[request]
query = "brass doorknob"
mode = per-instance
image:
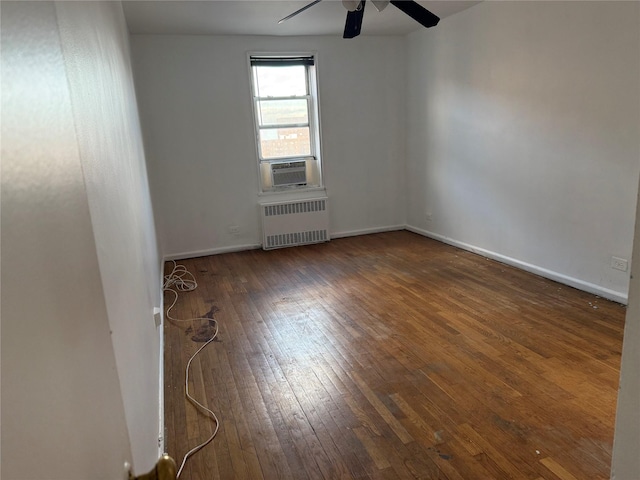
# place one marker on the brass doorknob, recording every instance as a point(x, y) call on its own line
point(165, 469)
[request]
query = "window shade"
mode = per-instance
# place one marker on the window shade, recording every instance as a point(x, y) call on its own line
point(280, 61)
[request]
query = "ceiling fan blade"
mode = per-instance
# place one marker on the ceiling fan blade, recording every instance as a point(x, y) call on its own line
point(299, 11)
point(354, 22)
point(417, 12)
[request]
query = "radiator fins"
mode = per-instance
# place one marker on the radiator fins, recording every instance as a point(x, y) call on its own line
point(294, 223)
point(297, 207)
point(300, 238)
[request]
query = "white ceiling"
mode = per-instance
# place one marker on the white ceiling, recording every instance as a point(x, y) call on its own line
point(260, 17)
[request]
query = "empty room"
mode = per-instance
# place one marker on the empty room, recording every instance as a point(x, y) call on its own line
point(320, 239)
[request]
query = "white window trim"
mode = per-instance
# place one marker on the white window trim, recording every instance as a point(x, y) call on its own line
point(310, 124)
point(314, 126)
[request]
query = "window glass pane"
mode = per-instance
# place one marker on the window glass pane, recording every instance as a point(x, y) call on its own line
point(285, 142)
point(282, 112)
point(280, 81)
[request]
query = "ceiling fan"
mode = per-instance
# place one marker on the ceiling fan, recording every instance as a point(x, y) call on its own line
point(355, 13)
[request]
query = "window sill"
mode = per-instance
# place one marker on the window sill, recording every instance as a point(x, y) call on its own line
point(294, 194)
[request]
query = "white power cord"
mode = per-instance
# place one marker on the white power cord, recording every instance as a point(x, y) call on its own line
point(180, 279)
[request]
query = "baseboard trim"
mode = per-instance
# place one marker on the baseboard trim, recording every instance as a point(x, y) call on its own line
point(212, 251)
point(254, 246)
point(543, 272)
point(161, 432)
point(367, 231)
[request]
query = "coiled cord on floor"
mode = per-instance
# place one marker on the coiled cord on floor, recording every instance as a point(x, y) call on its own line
point(181, 280)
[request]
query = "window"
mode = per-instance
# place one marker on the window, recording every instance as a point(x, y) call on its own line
point(286, 118)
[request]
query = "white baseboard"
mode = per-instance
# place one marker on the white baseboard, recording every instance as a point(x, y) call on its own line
point(367, 231)
point(161, 439)
point(254, 246)
point(543, 272)
point(212, 251)
point(161, 432)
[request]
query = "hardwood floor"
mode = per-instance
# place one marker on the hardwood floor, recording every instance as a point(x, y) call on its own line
point(391, 356)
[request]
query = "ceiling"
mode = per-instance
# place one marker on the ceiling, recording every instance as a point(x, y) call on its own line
point(260, 17)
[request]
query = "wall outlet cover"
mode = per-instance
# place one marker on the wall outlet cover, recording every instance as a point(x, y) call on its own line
point(618, 263)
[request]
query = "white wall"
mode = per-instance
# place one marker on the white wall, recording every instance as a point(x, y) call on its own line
point(625, 464)
point(197, 122)
point(523, 135)
point(79, 264)
point(95, 42)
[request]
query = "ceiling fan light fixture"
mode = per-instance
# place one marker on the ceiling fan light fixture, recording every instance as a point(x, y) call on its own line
point(380, 5)
point(351, 5)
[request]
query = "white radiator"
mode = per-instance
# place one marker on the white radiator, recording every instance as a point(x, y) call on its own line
point(299, 222)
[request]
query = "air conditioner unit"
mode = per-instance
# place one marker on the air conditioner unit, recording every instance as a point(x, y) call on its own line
point(288, 173)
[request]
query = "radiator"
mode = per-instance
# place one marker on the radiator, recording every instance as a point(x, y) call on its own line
point(286, 224)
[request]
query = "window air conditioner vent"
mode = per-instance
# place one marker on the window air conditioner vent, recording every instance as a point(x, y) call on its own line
point(289, 173)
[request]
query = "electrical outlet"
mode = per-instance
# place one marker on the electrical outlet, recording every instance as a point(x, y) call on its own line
point(619, 264)
point(157, 317)
point(429, 217)
point(234, 229)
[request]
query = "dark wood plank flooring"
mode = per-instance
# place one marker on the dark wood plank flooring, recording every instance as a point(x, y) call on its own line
point(391, 356)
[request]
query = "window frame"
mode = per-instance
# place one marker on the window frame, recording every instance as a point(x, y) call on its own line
point(313, 120)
